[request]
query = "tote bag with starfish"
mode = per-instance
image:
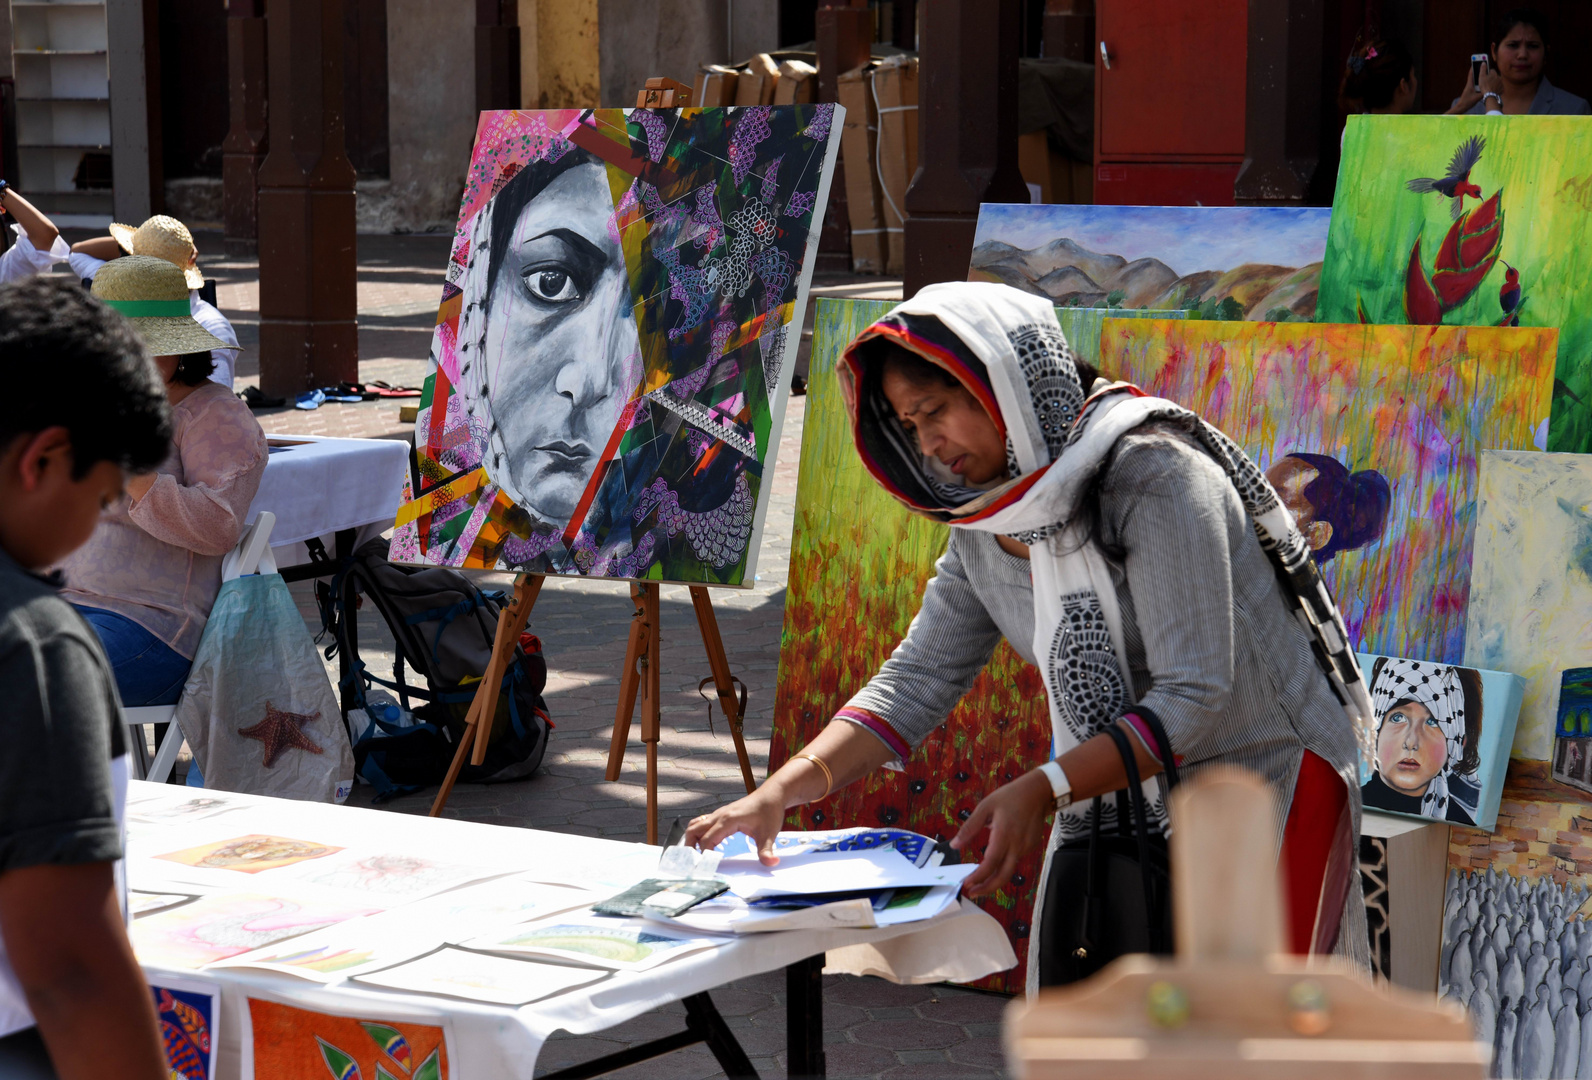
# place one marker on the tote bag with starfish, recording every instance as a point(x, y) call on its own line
point(258, 710)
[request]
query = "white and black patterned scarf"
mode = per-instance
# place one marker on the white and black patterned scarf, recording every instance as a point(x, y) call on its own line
point(1436, 688)
point(1007, 349)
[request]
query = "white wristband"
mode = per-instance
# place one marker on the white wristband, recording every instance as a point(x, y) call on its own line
point(1060, 786)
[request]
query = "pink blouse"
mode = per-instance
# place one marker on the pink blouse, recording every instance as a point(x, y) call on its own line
point(157, 561)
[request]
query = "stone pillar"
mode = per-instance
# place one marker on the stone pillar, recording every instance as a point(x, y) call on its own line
point(497, 55)
point(1069, 30)
point(137, 170)
point(308, 334)
point(244, 147)
point(845, 41)
point(967, 133)
point(1282, 123)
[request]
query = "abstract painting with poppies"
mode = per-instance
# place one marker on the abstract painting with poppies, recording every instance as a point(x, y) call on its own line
point(1470, 221)
point(613, 349)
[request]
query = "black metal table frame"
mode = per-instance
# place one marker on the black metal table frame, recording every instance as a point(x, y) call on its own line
point(804, 994)
point(804, 1033)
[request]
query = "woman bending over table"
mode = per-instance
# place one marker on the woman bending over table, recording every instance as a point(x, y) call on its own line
point(147, 578)
point(1130, 551)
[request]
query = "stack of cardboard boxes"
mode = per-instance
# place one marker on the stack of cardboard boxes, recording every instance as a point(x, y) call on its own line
point(760, 81)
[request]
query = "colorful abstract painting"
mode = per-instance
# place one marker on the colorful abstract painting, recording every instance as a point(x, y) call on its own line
point(1531, 581)
point(217, 927)
point(1370, 434)
point(291, 1042)
point(614, 346)
point(1469, 221)
point(1219, 262)
point(1443, 734)
point(187, 1011)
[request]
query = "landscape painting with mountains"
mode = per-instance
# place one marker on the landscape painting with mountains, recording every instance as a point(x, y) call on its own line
point(1258, 263)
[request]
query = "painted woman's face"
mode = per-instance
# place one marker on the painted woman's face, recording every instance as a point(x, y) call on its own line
point(1410, 748)
point(560, 347)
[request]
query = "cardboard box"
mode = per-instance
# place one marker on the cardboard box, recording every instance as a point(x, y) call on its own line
point(859, 137)
point(895, 85)
point(715, 86)
point(798, 83)
point(757, 82)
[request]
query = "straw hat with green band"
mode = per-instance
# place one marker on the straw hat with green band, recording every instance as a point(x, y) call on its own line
point(154, 294)
point(164, 238)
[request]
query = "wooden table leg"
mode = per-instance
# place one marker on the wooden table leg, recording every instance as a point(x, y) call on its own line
point(723, 682)
point(629, 685)
point(651, 705)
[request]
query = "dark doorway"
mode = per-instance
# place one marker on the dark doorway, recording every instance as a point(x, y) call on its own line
point(365, 87)
point(193, 86)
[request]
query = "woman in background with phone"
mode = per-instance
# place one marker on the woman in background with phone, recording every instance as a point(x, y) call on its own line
point(1513, 84)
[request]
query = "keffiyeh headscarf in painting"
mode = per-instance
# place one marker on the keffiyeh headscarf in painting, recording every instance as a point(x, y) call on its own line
point(1436, 687)
point(1006, 348)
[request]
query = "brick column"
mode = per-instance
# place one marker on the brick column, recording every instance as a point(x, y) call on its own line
point(244, 147)
point(308, 333)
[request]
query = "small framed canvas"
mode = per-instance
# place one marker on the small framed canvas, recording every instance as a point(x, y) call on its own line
point(1443, 734)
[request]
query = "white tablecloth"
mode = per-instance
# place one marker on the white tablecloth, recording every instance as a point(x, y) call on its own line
point(489, 1042)
point(317, 486)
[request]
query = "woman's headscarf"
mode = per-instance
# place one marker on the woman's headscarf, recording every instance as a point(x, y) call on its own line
point(1006, 348)
point(1436, 687)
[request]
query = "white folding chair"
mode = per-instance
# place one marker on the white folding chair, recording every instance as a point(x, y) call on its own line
point(252, 554)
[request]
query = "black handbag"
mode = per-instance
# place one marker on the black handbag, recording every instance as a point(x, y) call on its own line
point(1110, 895)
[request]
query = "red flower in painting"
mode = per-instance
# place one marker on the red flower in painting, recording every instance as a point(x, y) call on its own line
point(1421, 306)
point(1468, 252)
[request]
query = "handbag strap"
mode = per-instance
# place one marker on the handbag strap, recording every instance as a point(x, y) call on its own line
point(1163, 745)
point(1141, 826)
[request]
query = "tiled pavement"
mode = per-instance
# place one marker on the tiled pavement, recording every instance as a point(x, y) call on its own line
point(872, 1028)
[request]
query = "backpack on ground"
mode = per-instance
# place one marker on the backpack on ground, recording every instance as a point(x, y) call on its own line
point(443, 626)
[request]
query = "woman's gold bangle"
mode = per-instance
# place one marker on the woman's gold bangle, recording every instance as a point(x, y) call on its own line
point(829, 777)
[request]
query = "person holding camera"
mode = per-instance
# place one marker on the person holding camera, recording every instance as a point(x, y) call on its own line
point(1512, 82)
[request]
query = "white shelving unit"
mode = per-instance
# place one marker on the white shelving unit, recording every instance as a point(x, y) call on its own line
point(63, 106)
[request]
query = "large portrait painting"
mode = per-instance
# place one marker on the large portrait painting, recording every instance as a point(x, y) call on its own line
point(614, 346)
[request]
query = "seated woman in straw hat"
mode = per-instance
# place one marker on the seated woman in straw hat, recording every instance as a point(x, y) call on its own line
point(38, 244)
point(164, 238)
point(147, 578)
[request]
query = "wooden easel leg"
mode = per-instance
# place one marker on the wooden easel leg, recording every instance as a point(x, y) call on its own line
point(484, 705)
point(719, 665)
point(651, 706)
point(629, 685)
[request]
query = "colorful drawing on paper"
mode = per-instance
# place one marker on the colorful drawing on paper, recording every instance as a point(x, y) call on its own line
point(1218, 262)
point(215, 927)
point(1531, 582)
point(1467, 222)
point(195, 809)
point(1443, 738)
point(1403, 410)
point(292, 1042)
point(395, 874)
point(141, 903)
point(859, 564)
point(187, 1010)
point(613, 349)
point(478, 976)
point(606, 942)
point(250, 854)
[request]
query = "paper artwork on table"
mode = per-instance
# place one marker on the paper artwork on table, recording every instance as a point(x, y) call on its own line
point(858, 566)
point(250, 854)
point(1466, 221)
point(620, 944)
point(393, 874)
point(195, 809)
point(1531, 590)
point(349, 948)
point(215, 927)
point(1443, 734)
point(141, 902)
point(479, 976)
point(1370, 434)
point(613, 351)
point(1217, 262)
point(289, 1042)
point(187, 1011)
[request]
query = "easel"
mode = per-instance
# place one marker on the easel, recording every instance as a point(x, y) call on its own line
point(643, 654)
point(1229, 1007)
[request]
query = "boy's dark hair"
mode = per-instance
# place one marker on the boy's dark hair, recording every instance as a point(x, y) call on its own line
point(1516, 16)
point(1354, 504)
point(72, 362)
point(194, 368)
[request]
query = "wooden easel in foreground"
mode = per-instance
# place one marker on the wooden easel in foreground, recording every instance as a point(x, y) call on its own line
point(640, 678)
point(1229, 1007)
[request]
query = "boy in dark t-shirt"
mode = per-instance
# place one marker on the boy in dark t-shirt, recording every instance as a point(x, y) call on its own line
point(84, 406)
